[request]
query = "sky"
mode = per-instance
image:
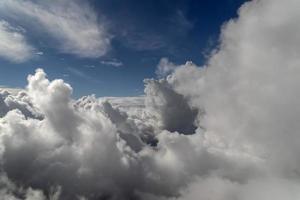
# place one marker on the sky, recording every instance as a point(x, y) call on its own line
point(123, 45)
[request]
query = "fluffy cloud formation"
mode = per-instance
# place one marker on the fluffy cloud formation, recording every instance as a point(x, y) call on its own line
point(85, 148)
point(249, 88)
point(249, 91)
point(75, 26)
point(228, 130)
point(13, 44)
point(170, 109)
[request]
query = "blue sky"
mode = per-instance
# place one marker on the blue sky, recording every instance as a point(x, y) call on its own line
point(125, 42)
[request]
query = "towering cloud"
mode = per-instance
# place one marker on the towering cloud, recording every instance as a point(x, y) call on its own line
point(227, 130)
point(249, 91)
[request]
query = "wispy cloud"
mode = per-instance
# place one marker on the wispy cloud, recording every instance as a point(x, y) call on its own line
point(75, 26)
point(81, 74)
point(13, 44)
point(89, 66)
point(40, 53)
point(143, 40)
point(154, 36)
point(114, 63)
point(78, 73)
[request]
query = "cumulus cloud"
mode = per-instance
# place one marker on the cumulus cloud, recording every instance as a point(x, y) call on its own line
point(75, 26)
point(13, 44)
point(249, 88)
point(249, 91)
point(170, 109)
point(227, 130)
point(20, 101)
point(90, 149)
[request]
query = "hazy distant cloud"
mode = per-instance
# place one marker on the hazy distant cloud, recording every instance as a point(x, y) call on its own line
point(143, 40)
point(114, 63)
point(181, 22)
point(13, 44)
point(74, 24)
point(40, 53)
point(12, 90)
point(80, 73)
point(89, 66)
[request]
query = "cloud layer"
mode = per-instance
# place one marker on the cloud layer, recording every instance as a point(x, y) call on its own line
point(228, 130)
point(74, 26)
point(13, 44)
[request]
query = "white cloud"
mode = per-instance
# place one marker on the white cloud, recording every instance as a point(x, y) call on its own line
point(249, 91)
point(114, 63)
point(40, 53)
point(90, 148)
point(13, 44)
point(165, 67)
point(12, 90)
point(17, 99)
point(74, 24)
point(169, 108)
point(245, 145)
